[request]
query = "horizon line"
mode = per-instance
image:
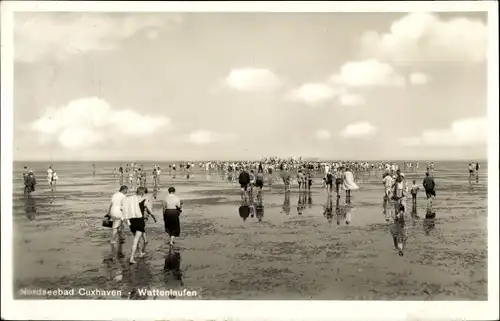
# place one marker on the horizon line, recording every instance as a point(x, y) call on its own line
point(243, 159)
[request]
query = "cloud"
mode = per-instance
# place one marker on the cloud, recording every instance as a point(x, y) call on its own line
point(425, 37)
point(88, 121)
point(367, 73)
point(313, 93)
point(323, 134)
point(78, 137)
point(206, 137)
point(252, 80)
point(39, 36)
point(357, 130)
point(463, 132)
point(348, 99)
point(418, 78)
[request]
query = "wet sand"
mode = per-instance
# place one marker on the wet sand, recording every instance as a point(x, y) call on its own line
point(59, 242)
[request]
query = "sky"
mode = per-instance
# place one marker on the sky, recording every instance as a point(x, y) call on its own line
point(198, 86)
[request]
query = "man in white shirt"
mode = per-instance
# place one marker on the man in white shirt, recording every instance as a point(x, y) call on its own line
point(115, 211)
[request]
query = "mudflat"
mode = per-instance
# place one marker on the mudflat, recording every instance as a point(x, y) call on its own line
point(59, 241)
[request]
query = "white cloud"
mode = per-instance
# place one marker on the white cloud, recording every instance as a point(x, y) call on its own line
point(313, 93)
point(361, 129)
point(323, 134)
point(87, 121)
point(252, 80)
point(425, 37)
point(367, 73)
point(348, 99)
point(464, 132)
point(205, 137)
point(418, 78)
point(39, 35)
point(77, 137)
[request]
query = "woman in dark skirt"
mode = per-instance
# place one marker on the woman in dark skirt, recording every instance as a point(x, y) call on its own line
point(172, 208)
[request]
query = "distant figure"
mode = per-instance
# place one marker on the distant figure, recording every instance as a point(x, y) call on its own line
point(328, 181)
point(339, 180)
point(429, 186)
point(349, 184)
point(49, 175)
point(55, 178)
point(400, 191)
point(300, 179)
point(388, 182)
point(244, 180)
point(414, 190)
point(309, 180)
point(29, 183)
point(285, 176)
point(259, 181)
point(471, 171)
point(25, 172)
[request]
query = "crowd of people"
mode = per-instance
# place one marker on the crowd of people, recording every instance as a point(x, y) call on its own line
point(133, 211)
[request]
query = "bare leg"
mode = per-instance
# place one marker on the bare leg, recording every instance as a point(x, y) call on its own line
point(135, 243)
point(144, 243)
point(114, 233)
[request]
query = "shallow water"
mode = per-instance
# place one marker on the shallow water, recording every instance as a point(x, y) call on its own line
point(59, 241)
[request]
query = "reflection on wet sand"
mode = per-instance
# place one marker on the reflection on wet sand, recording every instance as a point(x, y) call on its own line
point(399, 232)
point(328, 208)
point(244, 210)
point(430, 260)
point(251, 205)
point(30, 207)
point(429, 222)
point(172, 267)
point(309, 199)
point(286, 204)
point(259, 208)
point(139, 277)
point(342, 212)
point(301, 203)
